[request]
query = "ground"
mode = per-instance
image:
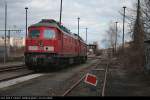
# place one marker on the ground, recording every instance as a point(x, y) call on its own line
point(121, 81)
point(50, 84)
point(125, 82)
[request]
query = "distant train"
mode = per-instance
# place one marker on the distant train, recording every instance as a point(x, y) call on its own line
point(49, 43)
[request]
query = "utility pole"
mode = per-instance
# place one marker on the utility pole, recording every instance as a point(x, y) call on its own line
point(137, 25)
point(5, 51)
point(26, 8)
point(86, 34)
point(78, 35)
point(60, 12)
point(138, 13)
point(123, 29)
point(116, 38)
point(78, 25)
point(60, 24)
point(8, 43)
point(138, 29)
point(86, 41)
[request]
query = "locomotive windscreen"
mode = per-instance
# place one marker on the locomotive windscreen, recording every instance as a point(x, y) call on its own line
point(49, 34)
point(34, 33)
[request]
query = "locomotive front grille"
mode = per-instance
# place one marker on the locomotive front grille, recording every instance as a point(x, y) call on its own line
point(40, 59)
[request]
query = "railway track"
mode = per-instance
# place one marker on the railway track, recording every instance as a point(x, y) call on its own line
point(7, 68)
point(105, 80)
point(78, 75)
point(14, 68)
point(18, 76)
point(94, 58)
point(70, 89)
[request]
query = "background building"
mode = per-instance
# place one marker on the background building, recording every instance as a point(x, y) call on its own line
point(14, 45)
point(13, 42)
point(92, 48)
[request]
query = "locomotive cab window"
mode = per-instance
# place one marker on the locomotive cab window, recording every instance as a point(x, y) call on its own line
point(34, 33)
point(49, 34)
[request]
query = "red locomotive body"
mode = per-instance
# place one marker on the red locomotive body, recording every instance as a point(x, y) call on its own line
point(49, 43)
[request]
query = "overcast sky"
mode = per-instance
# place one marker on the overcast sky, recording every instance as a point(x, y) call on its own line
point(94, 14)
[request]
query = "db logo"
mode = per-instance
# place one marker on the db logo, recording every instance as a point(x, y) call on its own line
point(90, 79)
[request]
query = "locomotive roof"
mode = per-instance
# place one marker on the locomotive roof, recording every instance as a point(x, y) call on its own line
point(53, 23)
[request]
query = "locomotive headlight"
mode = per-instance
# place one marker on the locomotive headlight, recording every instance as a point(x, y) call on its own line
point(32, 48)
point(48, 48)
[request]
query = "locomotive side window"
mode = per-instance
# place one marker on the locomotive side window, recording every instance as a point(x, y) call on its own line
point(34, 33)
point(49, 34)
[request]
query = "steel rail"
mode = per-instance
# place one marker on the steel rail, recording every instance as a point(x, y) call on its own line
point(78, 82)
point(7, 79)
point(105, 80)
point(72, 87)
point(12, 68)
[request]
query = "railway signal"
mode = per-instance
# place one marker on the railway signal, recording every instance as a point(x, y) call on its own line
point(91, 79)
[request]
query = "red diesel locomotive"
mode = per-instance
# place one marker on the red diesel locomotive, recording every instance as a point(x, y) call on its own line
point(49, 43)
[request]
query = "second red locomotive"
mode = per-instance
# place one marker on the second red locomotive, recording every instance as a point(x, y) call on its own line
point(49, 43)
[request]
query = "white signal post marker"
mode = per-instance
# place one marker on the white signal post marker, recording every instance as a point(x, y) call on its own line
point(91, 79)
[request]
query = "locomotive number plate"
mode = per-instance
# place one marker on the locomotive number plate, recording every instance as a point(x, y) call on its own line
point(41, 48)
point(33, 48)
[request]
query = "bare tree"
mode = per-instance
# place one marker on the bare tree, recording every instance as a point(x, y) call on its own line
point(111, 36)
point(136, 21)
point(130, 20)
point(146, 17)
point(138, 34)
